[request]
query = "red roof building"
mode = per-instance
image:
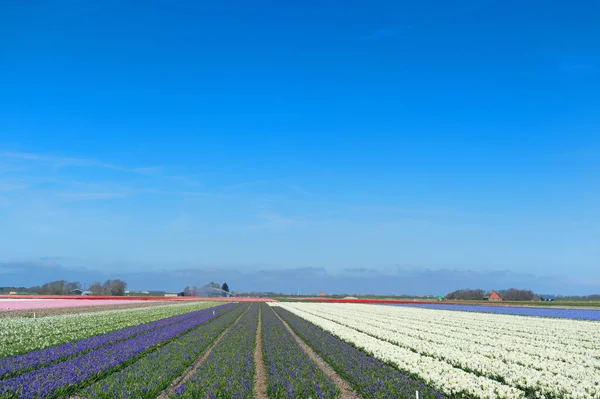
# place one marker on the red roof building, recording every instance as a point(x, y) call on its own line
point(494, 296)
point(321, 294)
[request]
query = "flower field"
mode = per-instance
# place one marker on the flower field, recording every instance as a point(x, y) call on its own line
point(297, 351)
point(21, 335)
point(471, 354)
point(29, 304)
point(577, 314)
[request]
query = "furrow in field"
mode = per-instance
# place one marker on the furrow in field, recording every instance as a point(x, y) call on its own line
point(439, 374)
point(151, 374)
point(291, 365)
point(189, 372)
point(229, 370)
point(543, 332)
point(19, 364)
point(557, 352)
point(22, 335)
point(368, 376)
point(553, 379)
point(511, 350)
point(260, 377)
point(61, 379)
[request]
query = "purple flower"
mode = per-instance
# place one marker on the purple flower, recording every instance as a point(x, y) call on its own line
point(66, 376)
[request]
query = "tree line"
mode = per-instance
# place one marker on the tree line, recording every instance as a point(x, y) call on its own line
point(511, 294)
point(64, 287)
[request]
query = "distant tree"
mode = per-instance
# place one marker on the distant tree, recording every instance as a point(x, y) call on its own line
point(106, 287)
point(96, 288)
point(187, 291)
point(225, 288)
point(70, 286)
point(513, 294)
point(195, 291)
point(36, 289)
point(466, 295)
point(116, 287)
point(54, 288)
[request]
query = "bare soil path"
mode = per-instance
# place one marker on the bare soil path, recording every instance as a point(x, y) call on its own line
point(182, 379)
point(260, 378)
point(343, 385)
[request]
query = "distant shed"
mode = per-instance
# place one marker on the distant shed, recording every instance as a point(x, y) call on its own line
point(494, 296)
point(547, 298)
point(79, 292)
point(321, 294)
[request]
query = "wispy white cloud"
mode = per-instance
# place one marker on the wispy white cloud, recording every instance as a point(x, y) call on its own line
point(237, 186)
point(269, 220)
point(91, 196)
point(60, 162)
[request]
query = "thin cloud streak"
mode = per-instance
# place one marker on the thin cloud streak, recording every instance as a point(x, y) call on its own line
point(69, 162)
point(61, 162)
point(91, 196)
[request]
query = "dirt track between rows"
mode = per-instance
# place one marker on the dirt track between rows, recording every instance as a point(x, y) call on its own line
point(346, 390)
point(189, 372)
point(260, 378)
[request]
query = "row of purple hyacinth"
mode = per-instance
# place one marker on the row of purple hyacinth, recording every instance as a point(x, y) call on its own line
point(15, 365)
point(61, 379)
point(150, 375)
point(370, 377)
point(228, 372)
point(291, 374)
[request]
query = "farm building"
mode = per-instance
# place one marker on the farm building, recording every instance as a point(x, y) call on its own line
point(547, 298)
point(136, 293)
point(494, 296)
point(321, 294)
point(172, 294)
point(79, 292)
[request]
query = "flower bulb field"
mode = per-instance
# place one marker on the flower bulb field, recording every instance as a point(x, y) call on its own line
point(297, 350)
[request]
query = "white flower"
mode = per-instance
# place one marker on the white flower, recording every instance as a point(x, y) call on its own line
point(485, 355)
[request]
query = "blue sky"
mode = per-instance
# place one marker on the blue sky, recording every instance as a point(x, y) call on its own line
point(302, 145)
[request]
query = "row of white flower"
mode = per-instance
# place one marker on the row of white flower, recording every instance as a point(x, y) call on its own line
point(21, 335)
point(553, 377)
point(573, 352)
point(564, 364)
point(531, 328)
point(580, 337)
point(440, 375)
point(571, 358)
point(535, 345)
